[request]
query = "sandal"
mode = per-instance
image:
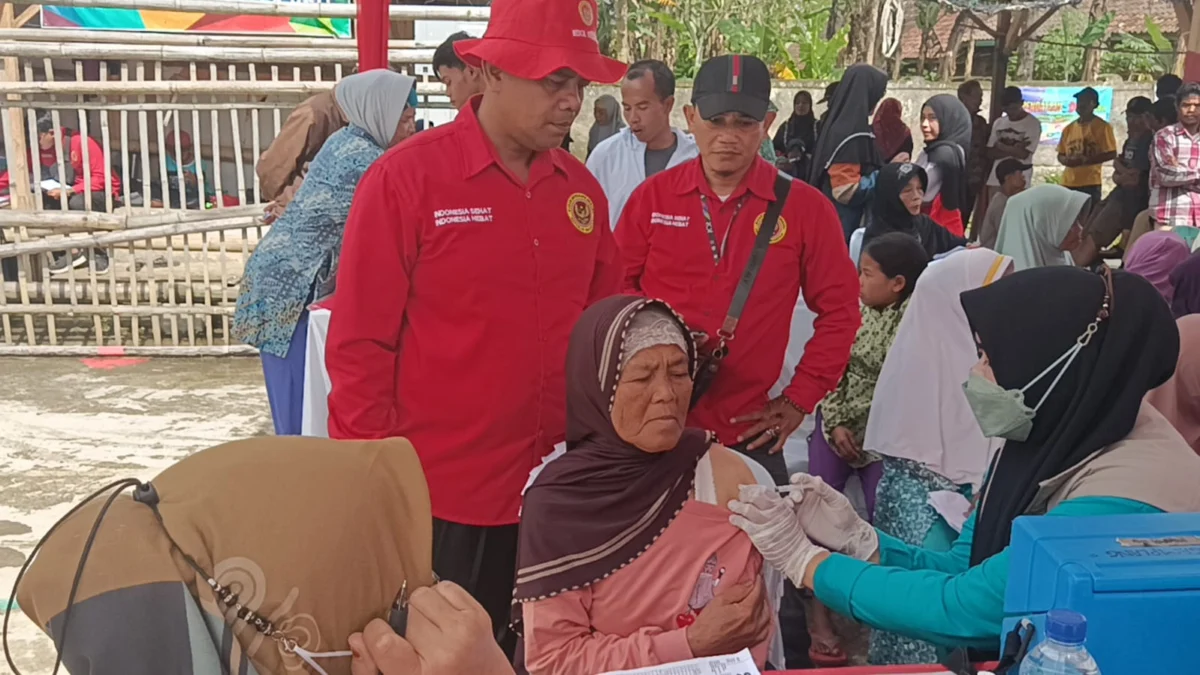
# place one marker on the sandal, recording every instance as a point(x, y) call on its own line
point(832, 659)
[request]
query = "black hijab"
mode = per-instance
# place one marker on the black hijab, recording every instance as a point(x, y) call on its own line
point(603, 503)
point(800, 127)
point(888, 213)
point(949, 150)
point(1027, 321)
point(849, 113)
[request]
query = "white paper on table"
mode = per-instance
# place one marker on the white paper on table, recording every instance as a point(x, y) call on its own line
point(734, 664)
point(952, 506)
point(51, 184)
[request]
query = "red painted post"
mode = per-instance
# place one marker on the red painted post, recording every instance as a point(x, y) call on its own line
point(372, 33)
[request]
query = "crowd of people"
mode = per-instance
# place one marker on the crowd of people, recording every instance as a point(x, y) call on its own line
point(557, 388)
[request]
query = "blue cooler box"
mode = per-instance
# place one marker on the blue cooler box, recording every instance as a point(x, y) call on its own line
point(1135, 578)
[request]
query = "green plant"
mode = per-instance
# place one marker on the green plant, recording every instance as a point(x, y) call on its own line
point(1060, 56)
point(1140, 58)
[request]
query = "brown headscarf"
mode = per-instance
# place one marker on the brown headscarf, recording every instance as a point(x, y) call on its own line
point(603, 503)
point(316, 536)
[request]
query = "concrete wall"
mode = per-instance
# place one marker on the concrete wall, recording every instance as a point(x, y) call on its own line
point(911, 94)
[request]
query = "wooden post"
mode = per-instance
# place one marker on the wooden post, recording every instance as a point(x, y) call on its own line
point(372, 29)
point(15, 147)
point(969, 69)
point(1000, 63)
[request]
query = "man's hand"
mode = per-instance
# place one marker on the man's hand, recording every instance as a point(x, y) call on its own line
point(448, 634)
point(774, 423)
point(737, 618)
point(844, 444)
point(54, 194)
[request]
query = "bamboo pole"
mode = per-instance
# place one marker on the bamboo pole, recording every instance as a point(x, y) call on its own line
point(84, 352)
point(185, 87)
point(111, 238)
point(127, 221)
point(56, 291)
point(113, 310)
point(114, 51)
point(14, 132)
point(193, 39)
point(308, 10)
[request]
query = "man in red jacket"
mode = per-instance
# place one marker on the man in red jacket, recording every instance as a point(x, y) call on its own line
point(82, 186)
point(686, 235)
point(470, 251)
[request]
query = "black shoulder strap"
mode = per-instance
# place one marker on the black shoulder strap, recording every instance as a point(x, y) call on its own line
point(783, 185)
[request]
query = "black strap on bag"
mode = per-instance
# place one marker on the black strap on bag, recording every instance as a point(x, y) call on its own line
point(711, 362)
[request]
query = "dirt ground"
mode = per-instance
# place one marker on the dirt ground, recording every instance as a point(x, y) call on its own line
point(70, 426)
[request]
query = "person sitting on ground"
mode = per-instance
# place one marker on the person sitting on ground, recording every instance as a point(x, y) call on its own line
point(184, 169)
point(1042, 225)
point(1066, 358)
point(81, 188)
point(846, 157)
point(1011, 175)
point(462, 81)
point(673, 580)
point(892, 135)
point(896, 207)
point(1086, 144)
point(297, 261)
point(946, 126)
point(1131, 196)
point(888, 270)
point(1154, 257)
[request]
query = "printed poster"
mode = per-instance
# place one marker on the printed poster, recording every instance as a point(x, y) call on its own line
point(1055, 108)
point(174, 22)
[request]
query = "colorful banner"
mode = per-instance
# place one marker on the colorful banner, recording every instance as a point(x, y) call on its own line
point(173, 22)
point(1055, 108)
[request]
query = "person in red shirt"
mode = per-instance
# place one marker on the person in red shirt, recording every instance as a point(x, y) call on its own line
point(470, 251)
point(686, 235)
point(82, 186)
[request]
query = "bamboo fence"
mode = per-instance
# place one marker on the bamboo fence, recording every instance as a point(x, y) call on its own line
point(174, 273)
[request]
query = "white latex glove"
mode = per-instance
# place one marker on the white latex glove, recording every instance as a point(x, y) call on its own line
point(771, 522)
point(830, 520)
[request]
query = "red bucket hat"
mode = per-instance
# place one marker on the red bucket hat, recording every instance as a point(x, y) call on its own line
point(533, 38)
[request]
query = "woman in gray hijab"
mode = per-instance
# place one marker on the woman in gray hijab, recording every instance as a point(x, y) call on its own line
point(946, 126)
point(296, 262)
point(608, 121)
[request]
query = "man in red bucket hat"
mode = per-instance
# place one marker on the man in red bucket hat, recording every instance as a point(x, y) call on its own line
point(469, 253)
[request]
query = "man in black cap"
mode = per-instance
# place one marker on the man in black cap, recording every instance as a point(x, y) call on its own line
point(1011, 174)
point(686, 235)
point(1086, 144)
point(830, 90)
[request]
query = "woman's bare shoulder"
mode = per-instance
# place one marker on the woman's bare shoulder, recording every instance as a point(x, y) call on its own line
point(730, 471)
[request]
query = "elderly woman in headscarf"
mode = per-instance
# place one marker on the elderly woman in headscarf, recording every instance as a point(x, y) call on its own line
point(1041, 225)
point(946, 127)
point(1154, 256)
point(896, 207)
point(892, 135)
point(296, 262)
point(1185, 279)
point(846, 157)
point(626, 556)
point(608, 121)
point(1179, 399)
point(1066, 357)
point(256, 556)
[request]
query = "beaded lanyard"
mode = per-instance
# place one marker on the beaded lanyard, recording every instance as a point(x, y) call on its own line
point(712, 235)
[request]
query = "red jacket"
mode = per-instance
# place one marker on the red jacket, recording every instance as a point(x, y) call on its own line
point(668, 255)
point(457, 290)
point(74, 155)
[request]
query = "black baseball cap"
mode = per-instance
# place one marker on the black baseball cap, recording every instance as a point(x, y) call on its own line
point(830, 90)
point(1009, 166)
point(732, 84)
point(1012, 95)
point(1089, 93)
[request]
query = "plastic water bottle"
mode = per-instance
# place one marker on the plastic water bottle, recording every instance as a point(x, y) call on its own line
point(1062, 652)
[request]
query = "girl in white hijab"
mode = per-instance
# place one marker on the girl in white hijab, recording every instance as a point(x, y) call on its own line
point(1042, 225)
point(920, 421)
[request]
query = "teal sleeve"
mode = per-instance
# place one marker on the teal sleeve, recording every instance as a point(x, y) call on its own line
point(951, 609)
point(895, 553)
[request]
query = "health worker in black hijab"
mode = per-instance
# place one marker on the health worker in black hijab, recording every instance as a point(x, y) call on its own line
point(896, 207)
point(1066, 357)
point(845, 156)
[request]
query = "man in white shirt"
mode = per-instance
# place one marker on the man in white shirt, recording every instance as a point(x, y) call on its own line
point(649, 144)
point(1014, 136)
